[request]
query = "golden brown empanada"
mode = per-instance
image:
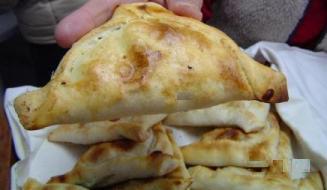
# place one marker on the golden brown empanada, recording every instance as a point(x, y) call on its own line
point(110, 163)
point(312, 182)
point(277, 176)
point(248, 115)
point(179, 179)
point(233, 178)
point(233, 147)
point(146, 60)
point(32, 184)
point(156, 184)
point(134, 128)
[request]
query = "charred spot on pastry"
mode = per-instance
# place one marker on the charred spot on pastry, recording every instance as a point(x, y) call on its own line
point(114, 120)
point(257, 153)
point(28, 108)
point(155, 154)
point(229, 134)
point(124, 144)
point(189, 67)
point(268, 95)
point(59, 179)
point(63, 83)
point(100, 38)
point(177, 182)
point(117, 28)
point(96, 153)
point(81, 126)
point(267, 63)
point(256, 169)
point(142, 7)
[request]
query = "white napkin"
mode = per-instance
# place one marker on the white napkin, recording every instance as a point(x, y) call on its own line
point(304, 113)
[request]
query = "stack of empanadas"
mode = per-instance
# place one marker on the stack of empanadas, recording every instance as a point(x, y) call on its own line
point(230, 158)
point(114, 89)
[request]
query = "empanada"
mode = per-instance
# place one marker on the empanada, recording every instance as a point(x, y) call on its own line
point(312, 182)
point(32, 184)
point(233, 178)
point(233, 147)
point(146, 60)
point(179, 179)
point(156, 184)
point(277, 176)
point(110, 163)
point(248, 115)
point(134, 128)
point(281, 166)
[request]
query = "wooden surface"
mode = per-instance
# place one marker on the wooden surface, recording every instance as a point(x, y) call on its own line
point(5, 150)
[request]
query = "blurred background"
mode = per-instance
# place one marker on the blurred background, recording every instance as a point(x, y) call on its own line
point(16, 62)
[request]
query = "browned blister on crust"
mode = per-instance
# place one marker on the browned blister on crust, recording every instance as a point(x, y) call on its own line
point(147, 61)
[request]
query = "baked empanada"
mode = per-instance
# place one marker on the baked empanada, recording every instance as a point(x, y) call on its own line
point(233, 147)
point(277, 176)
point(110, 163)
point(233, 178)
point(32, 184)
point(133, 128)
point(146, 60)
point(179, 179)
point(156, 184)
point(312, 182)
point(248, 115)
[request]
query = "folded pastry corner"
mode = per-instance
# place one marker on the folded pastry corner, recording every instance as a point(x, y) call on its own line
point(114, 162)
point(146, 60)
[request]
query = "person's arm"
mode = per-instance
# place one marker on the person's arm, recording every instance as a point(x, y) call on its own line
point(96, 12)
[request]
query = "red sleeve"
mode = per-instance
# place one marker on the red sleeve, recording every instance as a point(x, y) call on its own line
point(206, 9)
point(312, 27)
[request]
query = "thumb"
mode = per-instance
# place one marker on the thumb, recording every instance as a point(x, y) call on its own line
point(92, 14)
point(190, 8)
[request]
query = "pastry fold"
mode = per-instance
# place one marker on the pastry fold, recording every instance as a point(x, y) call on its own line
point(250, 116)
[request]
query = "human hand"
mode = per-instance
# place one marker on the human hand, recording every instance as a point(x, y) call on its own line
point(95, 12)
